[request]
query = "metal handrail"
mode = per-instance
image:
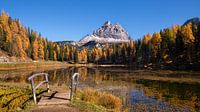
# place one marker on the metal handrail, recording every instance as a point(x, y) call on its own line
point(74, 83)
point(34, 87)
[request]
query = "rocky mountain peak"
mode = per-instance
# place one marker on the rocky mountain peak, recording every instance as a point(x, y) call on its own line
point(195, 20)
point(107, 23)
point(111, 33)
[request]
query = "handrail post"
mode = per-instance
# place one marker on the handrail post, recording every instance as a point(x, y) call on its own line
point(71, 92)
point(33, 91)
point(47, 82)
point(74, 76)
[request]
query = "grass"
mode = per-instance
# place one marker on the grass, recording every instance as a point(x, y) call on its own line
point(87, 106)
point(15, 98)
point(103, 99)
point(29, 65)
point(18, 97)
point(46, 64)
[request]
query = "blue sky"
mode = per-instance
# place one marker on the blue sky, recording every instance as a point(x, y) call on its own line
point(72, 19)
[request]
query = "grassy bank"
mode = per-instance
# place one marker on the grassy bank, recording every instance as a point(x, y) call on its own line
point(15, 97)
point(87, 106)
point(45, 64)
point(29, 65)
point(18, 97)
point(98, 101)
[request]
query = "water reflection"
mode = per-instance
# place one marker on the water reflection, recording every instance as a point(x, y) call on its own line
point(179, 94)
point(137, 89)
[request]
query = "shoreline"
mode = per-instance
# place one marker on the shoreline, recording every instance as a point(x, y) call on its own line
point(47, 64)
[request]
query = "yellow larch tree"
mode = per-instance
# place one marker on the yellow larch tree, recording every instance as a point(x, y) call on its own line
point(155, 45)
point(21, 52)
point(187, 33)
point(40, 49)
point(189, 40)
point(54, 56)
point(146, 39)
point(35, 49)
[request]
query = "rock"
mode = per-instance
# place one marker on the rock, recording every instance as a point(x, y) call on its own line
point(4, 59)
point(108, 33)
point(195, 21)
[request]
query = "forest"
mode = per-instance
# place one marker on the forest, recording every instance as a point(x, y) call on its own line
point(177, 47)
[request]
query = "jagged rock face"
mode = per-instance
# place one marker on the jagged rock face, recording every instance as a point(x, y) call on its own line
point(69, 43)
point(195, 21)
point(107, 33)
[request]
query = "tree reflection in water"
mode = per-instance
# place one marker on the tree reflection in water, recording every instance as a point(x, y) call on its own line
point(131, 86)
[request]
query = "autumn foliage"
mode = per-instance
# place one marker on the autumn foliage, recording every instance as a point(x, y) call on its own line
point(178, 46)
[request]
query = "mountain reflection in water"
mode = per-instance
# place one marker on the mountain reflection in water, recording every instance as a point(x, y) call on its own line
point(142, 90)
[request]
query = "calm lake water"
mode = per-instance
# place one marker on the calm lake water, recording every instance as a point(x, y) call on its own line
point(140, 90)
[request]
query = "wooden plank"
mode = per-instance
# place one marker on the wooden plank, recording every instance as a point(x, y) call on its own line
point(54, 98)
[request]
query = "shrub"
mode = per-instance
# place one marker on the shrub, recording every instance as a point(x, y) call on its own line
point(104, 99)
point(109, 101)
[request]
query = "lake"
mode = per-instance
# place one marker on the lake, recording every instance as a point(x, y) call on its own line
point(140, 90)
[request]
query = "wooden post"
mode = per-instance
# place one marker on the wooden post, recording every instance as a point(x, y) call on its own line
point(75, 89)
point(71, 92)
point(47, 83)
point(33, 91)
point(74, 82)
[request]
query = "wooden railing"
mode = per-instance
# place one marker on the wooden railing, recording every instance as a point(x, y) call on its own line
point(74, 83)
point(34, 87)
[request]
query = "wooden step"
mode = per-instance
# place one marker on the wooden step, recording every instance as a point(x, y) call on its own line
point(54, 98)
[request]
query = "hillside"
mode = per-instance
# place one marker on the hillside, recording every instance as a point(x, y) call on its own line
point(175, 47)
